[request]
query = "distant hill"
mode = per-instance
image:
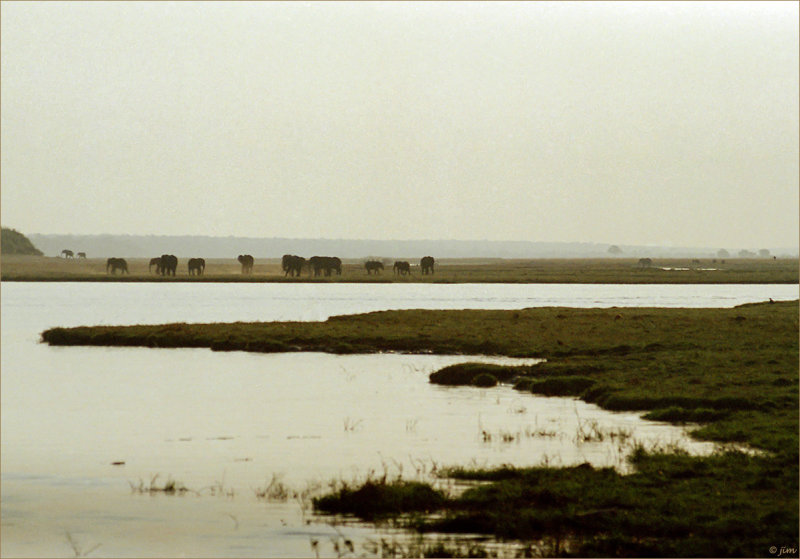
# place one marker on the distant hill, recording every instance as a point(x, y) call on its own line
point(14, 242)
point(147, 246)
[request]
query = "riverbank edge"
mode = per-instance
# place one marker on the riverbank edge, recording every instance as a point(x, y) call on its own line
point(740, 363)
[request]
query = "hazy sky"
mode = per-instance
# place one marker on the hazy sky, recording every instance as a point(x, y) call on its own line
point(628, 123)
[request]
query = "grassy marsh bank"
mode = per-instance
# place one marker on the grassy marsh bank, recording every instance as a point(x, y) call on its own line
point(733, 370)
point(566, 270)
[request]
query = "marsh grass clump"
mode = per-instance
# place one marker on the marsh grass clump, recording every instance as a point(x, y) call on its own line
point(562, 386)
point(523, 384)
point(424, 547)
point(675, 414)
point(465, 373)
point(169, 487)
point(633, 401)
point(274, 490)
point(266, 346)
point(484, 380)
point(375, 498)
point(666, 507)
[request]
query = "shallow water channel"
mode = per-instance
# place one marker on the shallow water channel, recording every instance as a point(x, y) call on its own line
point(226, 425)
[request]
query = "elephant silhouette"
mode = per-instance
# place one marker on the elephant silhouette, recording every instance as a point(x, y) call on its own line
point(247, 262)
point(645, 262)
point(157, 263)
point(67, 253)
point(326, 265)
point(427, 265)
point(114, 264)
point(401, 267)
point(373, 266)
point(292, 264)
point(197, 266)
point(82, 255)
point(169, 264)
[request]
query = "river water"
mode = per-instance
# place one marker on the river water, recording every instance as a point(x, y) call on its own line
point(226, 425)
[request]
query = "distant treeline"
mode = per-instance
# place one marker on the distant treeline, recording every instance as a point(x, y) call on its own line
point(14, 242)
point(144, 246)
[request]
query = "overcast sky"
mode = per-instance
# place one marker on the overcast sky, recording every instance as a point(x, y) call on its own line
point(628, 123)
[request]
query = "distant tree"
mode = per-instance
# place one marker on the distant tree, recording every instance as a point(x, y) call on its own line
point(614, 250)
point(14, 242)
point(746, 253)
point(763, 253)
point(722, 253)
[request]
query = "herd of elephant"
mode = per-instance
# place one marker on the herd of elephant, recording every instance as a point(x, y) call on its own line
point(292, 265)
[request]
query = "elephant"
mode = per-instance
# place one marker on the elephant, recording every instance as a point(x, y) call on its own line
point(67, 253)
point(197, 266)
point(82, 255)
point(373, 265)
point(645, 262)
point(426, 264)
point(157, 263)
point(326, 264)
point(402, 267)
point(292, 264)
point(169, 264)
point(247, 262)
point(115, 264)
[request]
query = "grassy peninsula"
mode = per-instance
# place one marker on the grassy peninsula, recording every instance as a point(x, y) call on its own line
point(734, 371)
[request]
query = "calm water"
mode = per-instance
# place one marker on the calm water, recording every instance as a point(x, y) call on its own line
point(236, 420)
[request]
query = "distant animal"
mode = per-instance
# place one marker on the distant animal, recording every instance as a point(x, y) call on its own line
point(401, 267)
point(427, 265)
point(157, 263)
point(67, 253)
point(197, 266)
point(114, 264)
point(292, 264)
point(325, 265)
point(169, 264)
point(373, 266)
point(695, 261)
point(645, 262)
point(247, 262)
point(81, 255)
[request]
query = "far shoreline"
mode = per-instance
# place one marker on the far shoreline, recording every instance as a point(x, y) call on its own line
point(623, 271)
